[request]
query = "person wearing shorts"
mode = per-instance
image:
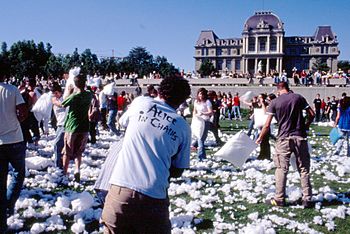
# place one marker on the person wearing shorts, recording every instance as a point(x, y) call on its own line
point(76, 125)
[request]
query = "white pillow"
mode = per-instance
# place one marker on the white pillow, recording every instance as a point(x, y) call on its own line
point(197, 127)
point(237, 149)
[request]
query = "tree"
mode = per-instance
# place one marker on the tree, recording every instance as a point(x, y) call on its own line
point(4, 60)
point(109, 65)
point(320, 65)
point(207, 68)
point(55, 66)
point(344, 65)
point(89, 62)
point(165, 68)
point(140, 61)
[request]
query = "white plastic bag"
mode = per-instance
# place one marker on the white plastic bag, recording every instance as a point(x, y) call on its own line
point(43, 106)
point(248, 96)
point(187, 112)
point(197, 127)
point(70, 81)
point(237, 149)
point(109, 89)
point(260, 118)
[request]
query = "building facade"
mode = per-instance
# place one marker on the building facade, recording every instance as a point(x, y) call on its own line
point(264, 48)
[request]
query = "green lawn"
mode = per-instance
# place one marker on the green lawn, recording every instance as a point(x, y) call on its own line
point(232, 211)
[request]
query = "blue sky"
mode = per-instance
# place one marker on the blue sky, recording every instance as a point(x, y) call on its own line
point(165, 27)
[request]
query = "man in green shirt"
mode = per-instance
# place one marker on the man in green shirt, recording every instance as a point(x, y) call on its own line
point(76, 125)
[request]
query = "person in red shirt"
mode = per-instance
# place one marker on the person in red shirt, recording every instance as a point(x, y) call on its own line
point(236, 107)
point(122, 102)
point(323, 110)
point(303, 75)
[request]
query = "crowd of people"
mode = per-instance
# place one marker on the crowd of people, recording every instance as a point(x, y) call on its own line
point(156, 139)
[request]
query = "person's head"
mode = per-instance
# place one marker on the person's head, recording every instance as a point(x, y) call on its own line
point(344, 103)
point(150, 89)
point(212, 95)
point(31, 83)
point(333, 98)
point(80, 81)
point(122, 93)
point(318, 95)
point(174, 90)
point(343, 95)
point(56, 90)
point(271, 96)
point(202, 94)
point(283, 87)
point(237, 94)
point(262, 97)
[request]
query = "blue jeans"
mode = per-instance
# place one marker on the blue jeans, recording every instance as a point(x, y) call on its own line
point(201, 149)
point(340, 143)
point(318, 80)
point(15, 155)
point(236, 112)
point(111, 121)
point(58, 146)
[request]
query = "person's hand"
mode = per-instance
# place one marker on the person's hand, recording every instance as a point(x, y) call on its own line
point(70, 89)
point(258, 141)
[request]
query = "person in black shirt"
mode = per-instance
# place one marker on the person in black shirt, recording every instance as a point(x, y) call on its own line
point(292, 138)
point(333, 107)
point(214, 121)
point(317, 107)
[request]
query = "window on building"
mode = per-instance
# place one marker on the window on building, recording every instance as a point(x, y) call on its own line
point(322, 49)
point(205, 51)
point(251, 44)
point(219, 51)
point(238, 64)
point(262, 44)
point(228, 51)
point(238, 51)
point(305, 50)
point(219, 65)
point(228, 64)
point(273, 43)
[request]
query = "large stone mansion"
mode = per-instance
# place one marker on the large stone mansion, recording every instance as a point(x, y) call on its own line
point(264, 46)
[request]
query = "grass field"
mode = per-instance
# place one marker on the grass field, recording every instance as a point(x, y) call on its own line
point(233, 211)
point(212, 196)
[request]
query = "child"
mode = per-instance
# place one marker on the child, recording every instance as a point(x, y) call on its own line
point(76, 125)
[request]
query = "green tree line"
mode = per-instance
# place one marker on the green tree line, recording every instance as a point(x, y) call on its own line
point(26, 58)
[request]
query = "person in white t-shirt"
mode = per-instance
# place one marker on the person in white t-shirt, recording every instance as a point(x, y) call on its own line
point(156, 147)
point(12, 149)
point(60, 113)
point(203, 109)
